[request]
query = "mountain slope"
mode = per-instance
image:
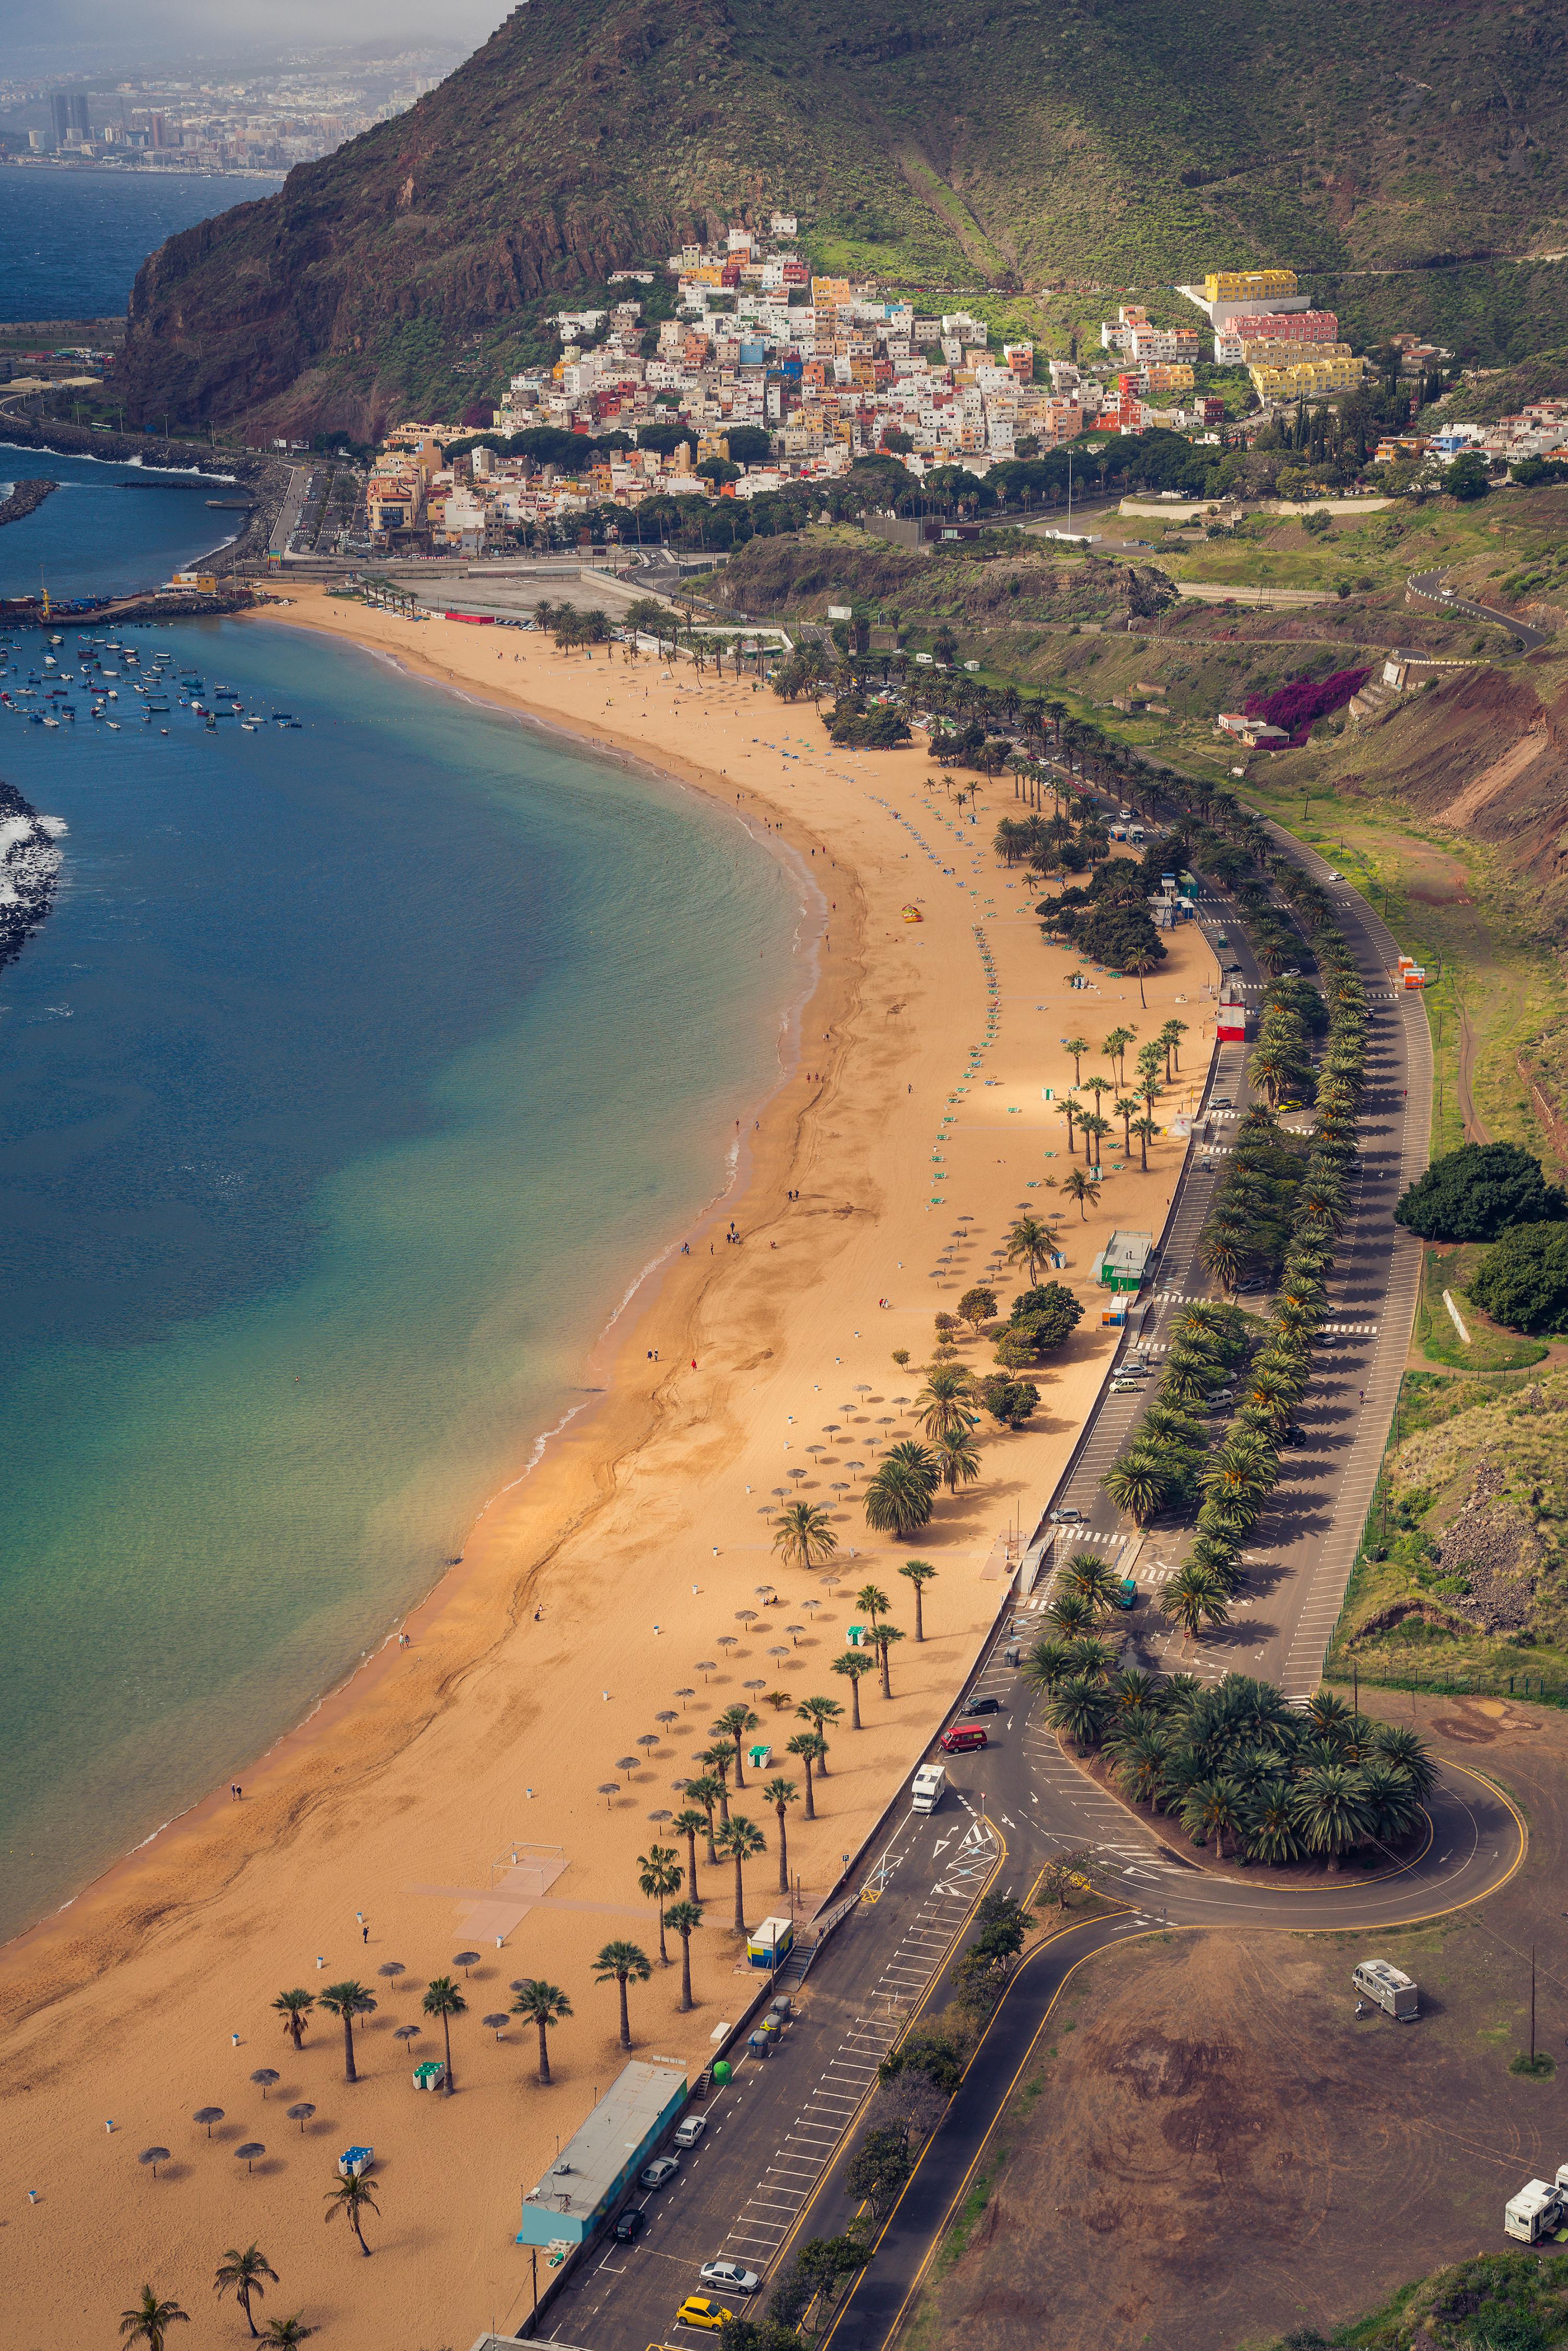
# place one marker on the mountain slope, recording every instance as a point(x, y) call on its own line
point(1114, 141)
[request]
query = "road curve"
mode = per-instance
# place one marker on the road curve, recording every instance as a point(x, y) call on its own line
point(1429, 585)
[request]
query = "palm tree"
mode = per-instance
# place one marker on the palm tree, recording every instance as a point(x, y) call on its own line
point(1170, 1037)
point(289, 2331)
point(1215, 1808)
point(443, 2000)
point(151, 2320)
point(350, 2196)
point(543, 2004)
point(1139, 962)
point(707, 1792)
point(1404, 1749)
point(1126, 1108)
point(1329, 1806)
point(807, 1746)
point(348, 2000)
point(718, 1760)
point(242, 2275)
point(1194, 1597)
point(780, 1792)
point(804, 1535)
point(626, 1963)
point(918, 1572)
point(294, 2007)
point(819, 1712)
point(1094, 1127)
point(899, 1497)
point(1137, 1486)
point(1115, 1050)
point(660, 1874)
point(1081, 1187)
point(1142, 1752)
point(853, 1665)
point(684, 1919)
point(740, 1841)
point(941, 1407)
point(1030, 1241)
point(1080, 1707)
point(735, 1722)
point(691, 1824)
point(1077, 1046)
point(1146, 1129)
point(958, 1462)
point(1093, 1578)
point(1071, 1612)
point(875, 1602)
point(882, 1639)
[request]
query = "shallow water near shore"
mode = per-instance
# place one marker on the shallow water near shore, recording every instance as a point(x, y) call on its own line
point(358, 1073)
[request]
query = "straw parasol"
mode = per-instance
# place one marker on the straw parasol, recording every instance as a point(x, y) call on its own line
point(465, 1959)
point(795, 1631)
point(684, 1695)
point(250, 2152)
point(625, 1762)
point(608, 1788)
point(391, 1969)
point(705, 1665)
point(668, 1714)
point(498, 2022)
point(154, 2156)
point(406, 2032)
point(726, 1641)
point(301, 2115)
point(647, 1738)
point(209, 2115)
point(263, 2078)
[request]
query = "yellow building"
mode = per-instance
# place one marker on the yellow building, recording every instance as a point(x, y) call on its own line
point(1176, 377)
point(1248, 285)
point(1307, 380)
point(1280, 352)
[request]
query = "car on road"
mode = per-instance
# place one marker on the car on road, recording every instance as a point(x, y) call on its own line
point(730, 2277)
point(1229, 968)
point(662, 2168)
point(1222, 1102)
point(963, 1739)
point(1335, 877)
point(984, 1706)
point(706, 2315)
point(1066, 1516)
point(690, 2129)
point(632, 2223)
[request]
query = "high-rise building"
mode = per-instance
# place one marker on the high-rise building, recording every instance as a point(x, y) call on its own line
point(69, 108)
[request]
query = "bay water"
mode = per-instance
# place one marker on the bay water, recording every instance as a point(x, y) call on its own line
point(73, 238)
point(360, 1068)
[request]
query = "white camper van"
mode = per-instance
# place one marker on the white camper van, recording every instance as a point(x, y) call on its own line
point(1395, 1992)
point(1537, 2211)
point(925, 1789)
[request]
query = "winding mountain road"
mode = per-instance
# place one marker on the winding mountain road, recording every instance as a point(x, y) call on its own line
point(1429, 585)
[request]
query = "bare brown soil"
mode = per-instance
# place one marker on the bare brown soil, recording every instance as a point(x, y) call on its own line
point(1208, 2149)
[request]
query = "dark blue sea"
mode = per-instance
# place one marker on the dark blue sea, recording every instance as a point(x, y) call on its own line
point(73, 238)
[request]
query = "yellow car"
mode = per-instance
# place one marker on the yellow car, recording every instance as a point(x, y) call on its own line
point(697, 2310)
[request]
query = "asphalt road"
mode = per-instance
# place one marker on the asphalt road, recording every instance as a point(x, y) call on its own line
point(1429, 584)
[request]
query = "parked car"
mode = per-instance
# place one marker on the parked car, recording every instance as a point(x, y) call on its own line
point(699, 2311)
point(690, 2129)
point(984, 1706)
point(632, 2223)
point(662, 2168)
point(730, 2277)
point(1122, 1386)
point(1222, 1102)
point(962, 1739)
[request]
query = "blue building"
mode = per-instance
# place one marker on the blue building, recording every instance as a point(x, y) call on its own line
point(593, 2170)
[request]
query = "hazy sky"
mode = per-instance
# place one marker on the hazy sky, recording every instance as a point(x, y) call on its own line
point(128, 30)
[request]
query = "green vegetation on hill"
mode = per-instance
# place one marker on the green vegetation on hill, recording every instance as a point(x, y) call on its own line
point(1090, 141)
point(1496, 2302)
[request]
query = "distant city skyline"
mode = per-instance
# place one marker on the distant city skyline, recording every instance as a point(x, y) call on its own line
point(86, 37)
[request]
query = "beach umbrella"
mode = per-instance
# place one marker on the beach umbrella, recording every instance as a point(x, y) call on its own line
point(391, 1969)
point(782, 1491)
point(208, 2115)
point(496, 2023)
point(795, 1631)
point(608, 1788)
point(863, 1387)
point(625, 1762)
point(765, 1509)
point(465, 1959)
point(764, 1591)
point(406, 2032)
point(797, 1473)
point(705, 1667)
point(658, 1817)
point(746, 1615)
point(154, 2156)
point(807, 1604)
point(684, 1695)
point(667, 1715)
point(726, 1641)
point(839, 1486)
point(680, 1786)
point(263, 2078)
point(781, 1651)
point(250, 2151)
point(302, 2113)
point(648, 1739)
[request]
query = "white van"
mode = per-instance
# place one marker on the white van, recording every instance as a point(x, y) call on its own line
point(925, 1789)
point(1535, 2212)
point(1395, 1992)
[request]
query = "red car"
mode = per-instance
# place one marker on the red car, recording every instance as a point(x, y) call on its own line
point(962, 1739)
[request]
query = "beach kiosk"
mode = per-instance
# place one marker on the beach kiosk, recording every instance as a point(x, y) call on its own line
point(354, 2161)
point(593, 2171)
point(769, 1944)
point(1120, 1264)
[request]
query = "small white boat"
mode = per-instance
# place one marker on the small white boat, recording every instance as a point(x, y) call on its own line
point(114, 725)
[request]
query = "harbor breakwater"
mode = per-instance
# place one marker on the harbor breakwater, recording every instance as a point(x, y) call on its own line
point(26, 498)
point(267, 478)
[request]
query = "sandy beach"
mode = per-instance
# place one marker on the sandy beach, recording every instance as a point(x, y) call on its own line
point(610, 1603)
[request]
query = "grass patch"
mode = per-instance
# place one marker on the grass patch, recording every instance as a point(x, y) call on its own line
point(1538, 2068)
point(1489, 1349)
point(956, 2242)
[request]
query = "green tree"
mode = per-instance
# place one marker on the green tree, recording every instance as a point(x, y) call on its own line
point(738, 1722)
point(879, 2167)
point(151, 2320)
point(660, 1874)
point(740, 1841)
point(683, 1918)
point(622, 1963)
point(443, 2000)
point(1082, 1187)
point(1523, 1281)
point(901, 1491)
point(294, 2007)
point(543, 2004)
point(883, 1637)
point(350, 2199)
point(780, 1792)
point(942, 1407)
point(691, 1824)
point(1030, 1241)
point(853, 1665)
point(347, 2000)
point(819, 1712)
point(1476, 1192)
point(918, 1572)
point(804, 1535)
point(244, 2275)
point(978, 1305)
point(1009, 1402)
point(805, 1747)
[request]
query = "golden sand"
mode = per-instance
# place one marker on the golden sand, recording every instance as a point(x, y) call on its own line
point(641, 1537)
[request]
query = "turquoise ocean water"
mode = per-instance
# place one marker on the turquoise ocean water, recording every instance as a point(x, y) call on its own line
point(357, 1074)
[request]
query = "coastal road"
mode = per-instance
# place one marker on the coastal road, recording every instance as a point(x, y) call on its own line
point(1429, 586)
point(289, 512)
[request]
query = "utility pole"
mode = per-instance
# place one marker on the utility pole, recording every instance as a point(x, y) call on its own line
point(1532, 2008)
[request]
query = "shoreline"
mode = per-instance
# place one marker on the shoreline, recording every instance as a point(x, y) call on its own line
point(609, 1601)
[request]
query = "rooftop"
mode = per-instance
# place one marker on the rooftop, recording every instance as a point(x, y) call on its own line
point(587, 2168)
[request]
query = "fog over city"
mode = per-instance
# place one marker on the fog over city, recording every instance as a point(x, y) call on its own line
point(83, 36)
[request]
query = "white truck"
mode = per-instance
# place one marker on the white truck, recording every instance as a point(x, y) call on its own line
point(1538, 2209)
point(925, 1788)
point(1398, 1993)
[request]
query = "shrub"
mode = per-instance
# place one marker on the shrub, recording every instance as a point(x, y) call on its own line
point(1523, 1281)
point(1478, 1192)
